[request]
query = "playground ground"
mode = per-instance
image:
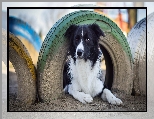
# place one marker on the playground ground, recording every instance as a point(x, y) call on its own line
point(69, 104)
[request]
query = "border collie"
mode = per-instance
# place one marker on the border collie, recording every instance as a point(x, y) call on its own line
point(82, 75)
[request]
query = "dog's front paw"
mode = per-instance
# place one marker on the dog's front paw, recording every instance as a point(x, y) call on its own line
point(85, 98)
point(111, 98)
point(118, 101)
point(115, 101)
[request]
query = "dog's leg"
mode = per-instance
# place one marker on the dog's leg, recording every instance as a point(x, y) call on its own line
point(108, 96)
point(81, 96)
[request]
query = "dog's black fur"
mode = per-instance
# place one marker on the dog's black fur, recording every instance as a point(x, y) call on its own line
point(73, 34)
point(82, 75)
point(92, 32)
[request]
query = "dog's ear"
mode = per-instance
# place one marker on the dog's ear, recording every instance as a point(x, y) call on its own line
point(70, 31)
point(97, 30)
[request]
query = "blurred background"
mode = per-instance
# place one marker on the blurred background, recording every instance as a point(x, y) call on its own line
point(41, 20)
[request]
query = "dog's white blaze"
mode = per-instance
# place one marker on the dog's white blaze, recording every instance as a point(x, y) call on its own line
point(85, 78)
point(82, 31)
point(80, 46)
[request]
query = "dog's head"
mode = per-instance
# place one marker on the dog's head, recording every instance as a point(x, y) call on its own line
point(84, 40)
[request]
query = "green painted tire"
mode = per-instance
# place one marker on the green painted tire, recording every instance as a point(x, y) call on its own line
point(25, 70)
point(137, 42)
point(54, 49)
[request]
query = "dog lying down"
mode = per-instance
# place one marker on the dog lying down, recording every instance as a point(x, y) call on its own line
point(82, 75)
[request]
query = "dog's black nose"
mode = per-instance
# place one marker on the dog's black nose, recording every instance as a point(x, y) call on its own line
point(80, 52)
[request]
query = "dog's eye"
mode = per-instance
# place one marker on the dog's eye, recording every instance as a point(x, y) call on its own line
point(87, 39)
point(77, 38)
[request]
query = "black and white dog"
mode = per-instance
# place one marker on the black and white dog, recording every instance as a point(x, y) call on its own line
point(82, 75)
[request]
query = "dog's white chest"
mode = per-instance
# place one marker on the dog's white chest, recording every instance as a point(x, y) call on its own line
point(86, 76)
